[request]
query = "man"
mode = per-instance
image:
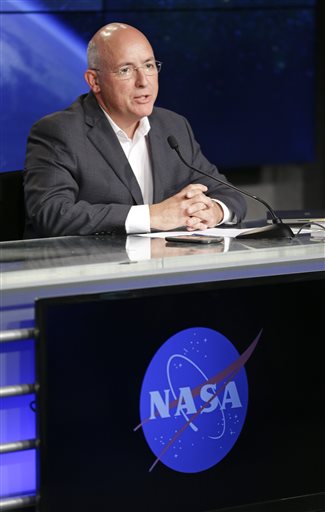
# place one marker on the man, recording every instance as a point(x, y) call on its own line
point(104, 164)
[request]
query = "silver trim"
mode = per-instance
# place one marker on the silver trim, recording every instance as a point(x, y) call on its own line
point(16, 502)
point(19, 446)
point(17, 334)
point(19, 389)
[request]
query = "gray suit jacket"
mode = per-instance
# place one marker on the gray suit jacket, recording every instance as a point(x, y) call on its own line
point(78, 180)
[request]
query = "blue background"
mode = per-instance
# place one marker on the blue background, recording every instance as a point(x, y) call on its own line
point(242, 71)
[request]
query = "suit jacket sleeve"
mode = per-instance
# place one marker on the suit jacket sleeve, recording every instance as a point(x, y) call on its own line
point(77, 178)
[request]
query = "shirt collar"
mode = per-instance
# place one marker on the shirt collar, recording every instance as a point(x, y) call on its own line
point(142, 130)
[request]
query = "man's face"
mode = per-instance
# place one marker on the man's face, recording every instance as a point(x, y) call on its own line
point(126, 100)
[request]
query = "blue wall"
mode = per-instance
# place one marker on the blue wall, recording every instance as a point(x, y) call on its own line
point(242, 71)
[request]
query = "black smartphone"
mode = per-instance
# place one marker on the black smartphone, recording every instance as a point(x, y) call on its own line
point(194, 239)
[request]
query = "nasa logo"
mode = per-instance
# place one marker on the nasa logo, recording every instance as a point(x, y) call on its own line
point(194, 399)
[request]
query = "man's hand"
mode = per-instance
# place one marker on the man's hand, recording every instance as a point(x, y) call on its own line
point(204, 218)
point(189, 208)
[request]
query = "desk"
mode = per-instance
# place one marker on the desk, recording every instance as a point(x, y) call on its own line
point(57, 267)
point(65, 265)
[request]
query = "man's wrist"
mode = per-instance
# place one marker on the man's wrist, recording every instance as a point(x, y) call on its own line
point(227, 214)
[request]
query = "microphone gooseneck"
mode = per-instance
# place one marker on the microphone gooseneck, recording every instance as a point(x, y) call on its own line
point(275, 230)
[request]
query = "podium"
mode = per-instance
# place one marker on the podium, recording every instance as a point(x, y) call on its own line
point(220, 350)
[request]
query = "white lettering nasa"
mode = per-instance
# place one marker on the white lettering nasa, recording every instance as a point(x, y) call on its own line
point(186, 404)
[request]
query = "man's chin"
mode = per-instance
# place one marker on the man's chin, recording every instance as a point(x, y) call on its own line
point(143, 107)
point(145, 110)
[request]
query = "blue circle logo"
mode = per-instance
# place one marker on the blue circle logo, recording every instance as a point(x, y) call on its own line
point(194, 400)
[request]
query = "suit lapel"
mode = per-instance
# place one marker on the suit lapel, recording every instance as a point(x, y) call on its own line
point(158, 161)
point(102, 136)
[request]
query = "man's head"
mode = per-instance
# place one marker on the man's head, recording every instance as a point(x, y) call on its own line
point(122, 74)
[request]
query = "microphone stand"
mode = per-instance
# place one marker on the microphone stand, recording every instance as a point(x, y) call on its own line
point(275, 230)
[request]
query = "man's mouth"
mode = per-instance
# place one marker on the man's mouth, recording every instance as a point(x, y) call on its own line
point(143, 98)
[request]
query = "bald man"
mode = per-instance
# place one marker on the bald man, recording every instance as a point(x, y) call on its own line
point(104, 165)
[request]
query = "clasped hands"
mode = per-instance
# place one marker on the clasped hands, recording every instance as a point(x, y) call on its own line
point(190, 208)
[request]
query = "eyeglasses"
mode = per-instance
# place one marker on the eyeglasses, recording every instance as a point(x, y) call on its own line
point(126, 72)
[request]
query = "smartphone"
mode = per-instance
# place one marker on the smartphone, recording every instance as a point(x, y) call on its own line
point(194, 239)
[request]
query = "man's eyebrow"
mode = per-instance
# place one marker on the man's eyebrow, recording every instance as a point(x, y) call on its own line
point(127, 63)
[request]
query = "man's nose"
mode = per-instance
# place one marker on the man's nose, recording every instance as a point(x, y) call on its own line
point(141, 77)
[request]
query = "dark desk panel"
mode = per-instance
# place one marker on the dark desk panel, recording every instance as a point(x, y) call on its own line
point(162, 358)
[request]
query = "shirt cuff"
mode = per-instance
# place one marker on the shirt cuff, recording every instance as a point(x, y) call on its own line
point(138, 219)
point(227, 214)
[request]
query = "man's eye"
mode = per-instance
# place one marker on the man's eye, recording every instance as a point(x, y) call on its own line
point(126, 70)
point(150, 66)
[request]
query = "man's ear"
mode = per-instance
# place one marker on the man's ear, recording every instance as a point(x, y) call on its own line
point(92, 80)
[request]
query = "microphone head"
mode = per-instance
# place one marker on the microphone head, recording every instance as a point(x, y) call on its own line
point(172, 142)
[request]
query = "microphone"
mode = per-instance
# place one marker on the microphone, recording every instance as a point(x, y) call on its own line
point(275, 230)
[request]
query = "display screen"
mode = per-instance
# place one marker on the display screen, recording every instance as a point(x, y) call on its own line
point(182, 398)
point(242, 72)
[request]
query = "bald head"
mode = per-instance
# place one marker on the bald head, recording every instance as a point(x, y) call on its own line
point(107, 39)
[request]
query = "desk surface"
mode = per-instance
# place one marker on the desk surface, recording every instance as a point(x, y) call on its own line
point(68, 260)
